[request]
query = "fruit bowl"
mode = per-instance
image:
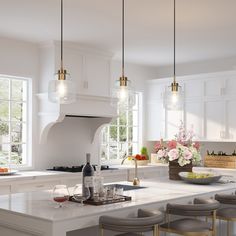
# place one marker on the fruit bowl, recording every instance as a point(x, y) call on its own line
point(199, 178)
point(141, 162)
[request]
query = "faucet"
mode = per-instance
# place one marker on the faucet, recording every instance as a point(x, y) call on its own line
point(136, 180)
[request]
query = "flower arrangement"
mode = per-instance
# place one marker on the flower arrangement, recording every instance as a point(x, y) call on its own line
point(182, 148)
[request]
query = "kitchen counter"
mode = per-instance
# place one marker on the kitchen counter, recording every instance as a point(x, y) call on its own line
point(42, 175)
point(34, 213)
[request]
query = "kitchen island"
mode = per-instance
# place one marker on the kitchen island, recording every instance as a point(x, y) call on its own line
point(34, 213)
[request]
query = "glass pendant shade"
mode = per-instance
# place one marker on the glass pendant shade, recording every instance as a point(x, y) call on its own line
point(61, 90)
point(124, 93)
point(173, 98)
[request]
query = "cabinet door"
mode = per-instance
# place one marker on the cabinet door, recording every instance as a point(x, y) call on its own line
point(97, 75)
point(173, 119)
point(230, 120)
point(194, 117)
point(155, 121)
point(214, 120)
point(74, 65)
point(5, 189)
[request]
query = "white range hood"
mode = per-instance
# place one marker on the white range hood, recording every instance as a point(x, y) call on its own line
point(96, 108)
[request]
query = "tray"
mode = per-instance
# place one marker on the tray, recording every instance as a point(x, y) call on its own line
point(105, 201)
point(11, 172)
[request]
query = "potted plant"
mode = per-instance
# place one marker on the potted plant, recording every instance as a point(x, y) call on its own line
point(181, 152)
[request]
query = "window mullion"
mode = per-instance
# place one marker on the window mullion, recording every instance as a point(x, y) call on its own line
point(10, 125)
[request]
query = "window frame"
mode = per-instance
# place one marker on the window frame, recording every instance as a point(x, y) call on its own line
point(139, 133)
point(28, 121)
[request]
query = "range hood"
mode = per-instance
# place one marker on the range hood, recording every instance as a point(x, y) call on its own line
point(86, 106)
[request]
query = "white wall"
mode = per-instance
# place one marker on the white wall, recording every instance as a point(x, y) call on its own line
point(197, 67)
point(18, 58)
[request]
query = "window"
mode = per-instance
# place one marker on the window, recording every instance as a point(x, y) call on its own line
point(13, 121)
point(121, 137)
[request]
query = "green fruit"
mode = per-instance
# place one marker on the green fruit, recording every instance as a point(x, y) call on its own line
point(193, 175)
point(144, 152)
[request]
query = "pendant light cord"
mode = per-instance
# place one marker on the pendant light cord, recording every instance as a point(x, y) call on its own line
point(61, 34)
point(174, 43)
point(123, 38)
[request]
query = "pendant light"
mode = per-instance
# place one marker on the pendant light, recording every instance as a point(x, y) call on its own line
point(173, 97)
point(61, 89)
point(123, 90)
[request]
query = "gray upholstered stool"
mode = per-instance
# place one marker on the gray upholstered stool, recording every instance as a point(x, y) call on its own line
point(226, 213)
point(144, 222)
point(192, 226)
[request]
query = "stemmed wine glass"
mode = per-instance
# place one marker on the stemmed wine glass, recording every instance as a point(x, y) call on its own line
point(60, 194)
point(81, 194)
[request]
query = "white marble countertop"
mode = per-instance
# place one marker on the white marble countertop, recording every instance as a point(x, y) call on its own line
point(40, 175)
point(39, 205)
point(47, 175)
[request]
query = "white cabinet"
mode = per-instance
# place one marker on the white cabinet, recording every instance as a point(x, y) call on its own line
point(89, 69)
point(172, 123)
point(214, 120)
point(155, 120)
point(194, 111)
point(209, 106)
point(231, 119)
point(97, 76)
point(5, 189)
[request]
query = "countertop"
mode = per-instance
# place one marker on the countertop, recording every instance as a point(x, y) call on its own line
point(39, 205)
point(47, 175)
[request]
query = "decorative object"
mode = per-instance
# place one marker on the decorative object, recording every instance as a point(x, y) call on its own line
point(219, 161)
point(173, 96)
point(61, 90)
point(181, 153)
point(199, 178)
point(123, 90)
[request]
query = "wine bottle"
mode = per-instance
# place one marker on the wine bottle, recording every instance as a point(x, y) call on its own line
point(88, 172)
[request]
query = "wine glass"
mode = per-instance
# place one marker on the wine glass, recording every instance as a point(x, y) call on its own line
point(80, 194)
point(60, 194)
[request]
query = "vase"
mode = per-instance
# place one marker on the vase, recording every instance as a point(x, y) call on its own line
point(175, 169)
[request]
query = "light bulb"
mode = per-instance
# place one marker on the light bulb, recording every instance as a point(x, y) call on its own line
point(174, 98)
point(61, 89)
point(123, 93)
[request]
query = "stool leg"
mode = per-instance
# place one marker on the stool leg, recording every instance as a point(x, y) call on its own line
point(101, 231)
point(156, 230)
point(228, 228)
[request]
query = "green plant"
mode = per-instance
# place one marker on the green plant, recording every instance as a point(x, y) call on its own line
point(144, 152)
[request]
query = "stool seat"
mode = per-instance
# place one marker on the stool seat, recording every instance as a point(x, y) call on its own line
point(146, 220)
point(226, 213)
point(187, 225)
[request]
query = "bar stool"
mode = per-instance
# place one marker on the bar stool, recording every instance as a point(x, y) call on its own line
point(227, 214)
point(145, 221)
point(192, 226)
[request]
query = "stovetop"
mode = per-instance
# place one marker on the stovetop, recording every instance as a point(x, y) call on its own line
point(78, 168)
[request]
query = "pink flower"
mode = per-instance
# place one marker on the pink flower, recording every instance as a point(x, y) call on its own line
point(161, 154)
point(158, 146)
point(172, 144)
point(196, 145)
point(187, 154)
point(173, 154)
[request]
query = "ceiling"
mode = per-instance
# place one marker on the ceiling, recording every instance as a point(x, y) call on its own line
point(206, 29)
